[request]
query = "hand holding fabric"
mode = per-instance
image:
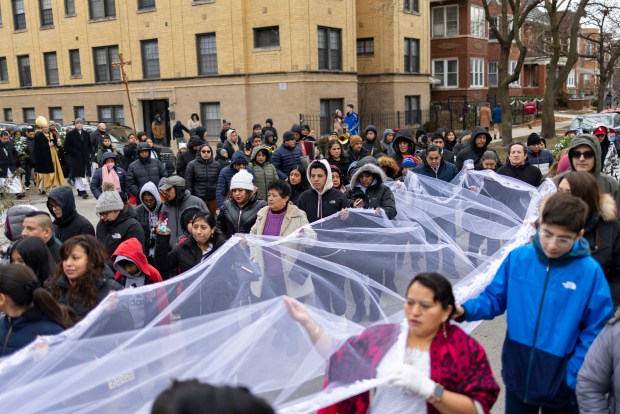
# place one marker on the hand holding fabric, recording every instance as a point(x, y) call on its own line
point(407, 376)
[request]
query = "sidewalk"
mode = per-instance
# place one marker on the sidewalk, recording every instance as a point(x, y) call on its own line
point(521, 133)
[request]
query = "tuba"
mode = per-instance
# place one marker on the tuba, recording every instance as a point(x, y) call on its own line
point(343, 138)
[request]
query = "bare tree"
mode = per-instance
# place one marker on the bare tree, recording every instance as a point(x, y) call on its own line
point(564, 19)
point(513, 16)
point(604, 15)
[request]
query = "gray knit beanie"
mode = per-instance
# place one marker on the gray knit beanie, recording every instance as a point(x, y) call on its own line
point(109, 201)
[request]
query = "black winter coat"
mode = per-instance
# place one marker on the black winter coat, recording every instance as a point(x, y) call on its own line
point(16, 333)
point(71, 223)
point(77, 149)
point(343, 165)
point(126, 226)
point(526, 173)
point(142, 171)
point(332, 201)
point(42, 153)
point(184, 256)
point(190, 155)
point(471, 151)
point(201, 177)
point(232, 220)
point(130, 154)
point(9, 159)
point(377, 195)
point(105, 284)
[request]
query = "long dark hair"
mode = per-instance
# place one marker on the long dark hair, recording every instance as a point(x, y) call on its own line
point(343, 153)
point(22, 286)
point(36, 256)
point(305, 184)
point(584, 186)
point(85, 287)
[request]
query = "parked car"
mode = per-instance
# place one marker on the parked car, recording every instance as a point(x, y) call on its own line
point(586, 123)
point(119, 135)
point(12, 126)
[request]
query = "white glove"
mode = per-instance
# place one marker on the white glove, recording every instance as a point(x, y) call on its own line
point(410, 378)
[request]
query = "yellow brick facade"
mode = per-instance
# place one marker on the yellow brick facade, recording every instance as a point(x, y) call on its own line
point(251, 84)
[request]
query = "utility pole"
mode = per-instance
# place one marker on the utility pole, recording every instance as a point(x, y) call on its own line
point(121, 64)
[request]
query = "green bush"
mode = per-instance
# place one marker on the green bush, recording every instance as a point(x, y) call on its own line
point(594, 103)
point(562, 99)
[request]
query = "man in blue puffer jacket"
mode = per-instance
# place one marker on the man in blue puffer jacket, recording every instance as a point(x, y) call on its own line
point(557, 300)
point(238, 162)
point(287, 155)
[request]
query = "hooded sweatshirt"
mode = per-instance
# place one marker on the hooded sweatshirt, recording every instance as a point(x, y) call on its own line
point(606, 184)
point(319, 204)
point(387, 146)
point(71, 223)
point(149, 219)
point(471, 151)
point(373, 147)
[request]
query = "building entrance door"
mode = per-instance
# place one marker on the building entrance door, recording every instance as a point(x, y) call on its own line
point(150, 109)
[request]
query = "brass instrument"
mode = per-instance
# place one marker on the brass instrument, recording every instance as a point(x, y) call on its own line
point(343, 138)
point(272, 148)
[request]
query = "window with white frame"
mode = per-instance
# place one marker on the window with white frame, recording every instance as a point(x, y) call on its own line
point(477, 21)
point(512, 65)
point(445, 21)
point(447, 71)
point(476, 73)
point(493, 73)
point(570, 81)
point(211, 118)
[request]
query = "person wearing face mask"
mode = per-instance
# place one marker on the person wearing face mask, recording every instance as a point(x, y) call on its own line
point(116, 222)
point(143, 170)
point(201, 177)
point(109, 172)
point(49, 170)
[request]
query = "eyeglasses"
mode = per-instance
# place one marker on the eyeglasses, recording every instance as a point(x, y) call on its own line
point(562, 241)
point(586, 154)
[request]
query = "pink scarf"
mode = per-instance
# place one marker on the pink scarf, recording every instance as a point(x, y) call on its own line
point(109, 175)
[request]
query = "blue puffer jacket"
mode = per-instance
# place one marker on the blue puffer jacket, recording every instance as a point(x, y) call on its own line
point(556, 307)
point(223, 180)
point(285, 158)
point(16, 333)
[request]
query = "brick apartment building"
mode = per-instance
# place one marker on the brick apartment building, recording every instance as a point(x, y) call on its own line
point(240, 60)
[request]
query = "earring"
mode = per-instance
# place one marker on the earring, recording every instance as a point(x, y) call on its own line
point(445, 333)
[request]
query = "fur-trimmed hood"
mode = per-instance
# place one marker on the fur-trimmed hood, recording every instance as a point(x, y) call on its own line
point(372, 169)
point(390, 164)
point(608, 207)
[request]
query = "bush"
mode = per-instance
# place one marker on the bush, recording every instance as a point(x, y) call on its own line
point(594, 103)
point(562, 100)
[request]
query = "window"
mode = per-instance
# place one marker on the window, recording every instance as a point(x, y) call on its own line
point(447, 71)
point(586, 79)
point(69, 7)
point(413, 114)
point(267, 36)
point(47, 16)
point(100, 9)
point(476, 73)
point(330, 48)
point(412, 55)
point(19, 15)
point(74, 63)
point(103, 59)
point(366, 46)
point(4, 72)
point(146, 4)
point(78, 112)
point(211, 118)
point(51, 68)
point(23, 66)
point(29, 115)
point(411, 6)
point(56, 115)
point(588, 49)
point(493, 74)
point(477, 21)
point(445, 21)
point(150, 59)
point(328, 108)
point(570, 81)
point(496, 24)
point(207, 54)
point(111, 114)
point(8, 114)
point(511, 69)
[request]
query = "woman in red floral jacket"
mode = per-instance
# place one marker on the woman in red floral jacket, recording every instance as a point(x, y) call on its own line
point(431, 366)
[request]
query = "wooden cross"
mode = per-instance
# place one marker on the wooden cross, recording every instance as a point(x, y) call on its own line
point(121, 64)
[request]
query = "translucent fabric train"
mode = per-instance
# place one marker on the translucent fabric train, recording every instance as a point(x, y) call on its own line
point(226, 322)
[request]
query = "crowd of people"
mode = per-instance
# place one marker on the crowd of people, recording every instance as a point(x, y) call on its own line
point(154, 225)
